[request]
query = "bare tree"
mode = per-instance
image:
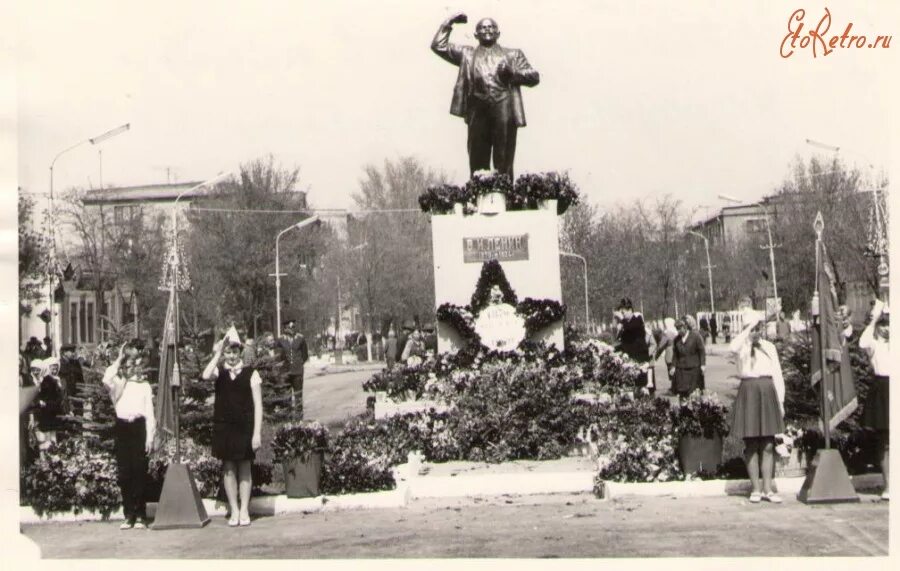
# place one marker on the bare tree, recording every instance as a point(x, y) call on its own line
point(395, 274)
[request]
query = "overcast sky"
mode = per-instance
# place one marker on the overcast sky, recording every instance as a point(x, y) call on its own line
point(636, 100)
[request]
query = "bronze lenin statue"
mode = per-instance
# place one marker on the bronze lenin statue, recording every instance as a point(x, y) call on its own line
point(487, 92)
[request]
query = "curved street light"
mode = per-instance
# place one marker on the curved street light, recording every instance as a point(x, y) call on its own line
point(298, 225)
point(712, 302)
point(55, 324)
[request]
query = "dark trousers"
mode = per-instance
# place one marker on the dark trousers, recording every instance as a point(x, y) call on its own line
point(295, 379)
point(492, 128)
point(131, 456)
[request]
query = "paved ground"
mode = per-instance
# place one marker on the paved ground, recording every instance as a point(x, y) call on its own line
point(565, 525)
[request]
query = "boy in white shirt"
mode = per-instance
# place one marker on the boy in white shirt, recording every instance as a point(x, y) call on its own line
point(134, 430)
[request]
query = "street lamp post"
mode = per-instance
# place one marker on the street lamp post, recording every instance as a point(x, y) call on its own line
point(298, 225)
point(709, 267)
point(587, 313)
point(55, 323)
point(770, 247)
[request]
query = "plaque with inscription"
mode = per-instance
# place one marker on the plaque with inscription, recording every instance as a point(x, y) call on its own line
point(480, 249)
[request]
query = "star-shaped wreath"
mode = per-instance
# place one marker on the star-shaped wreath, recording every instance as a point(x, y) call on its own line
point(537, 313)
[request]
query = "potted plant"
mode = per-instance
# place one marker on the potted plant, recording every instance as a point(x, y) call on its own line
point(300, 448)
point(701, 421)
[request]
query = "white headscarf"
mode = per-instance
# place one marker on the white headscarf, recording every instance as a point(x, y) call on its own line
point(669, 325)
point(49, 362)
point(40, 365)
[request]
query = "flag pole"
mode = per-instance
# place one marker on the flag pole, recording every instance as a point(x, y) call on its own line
point(176, 390)
point(180, 505)
point(827, 480)
point(819, 226)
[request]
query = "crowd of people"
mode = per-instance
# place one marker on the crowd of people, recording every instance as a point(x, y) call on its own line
point(758, 411)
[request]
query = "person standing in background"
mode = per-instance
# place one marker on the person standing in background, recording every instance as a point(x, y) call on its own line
point(296, 354)
point(688, 359)
point(72, 376)
point(390, 349)
point(632, 337)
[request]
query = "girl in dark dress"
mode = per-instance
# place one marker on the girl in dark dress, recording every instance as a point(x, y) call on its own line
point(237, 422)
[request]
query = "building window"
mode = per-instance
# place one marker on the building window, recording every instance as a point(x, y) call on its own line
point(755, 226)
point(104, 332)
point(127, 314)
point(82, 322)
point(90, 322)
point(73, 322)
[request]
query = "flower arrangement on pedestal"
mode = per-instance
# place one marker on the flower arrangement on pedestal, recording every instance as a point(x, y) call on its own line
point(701, 422)
point(702, 414)
point(298, 439)
point(493, 287)
point(525, 194)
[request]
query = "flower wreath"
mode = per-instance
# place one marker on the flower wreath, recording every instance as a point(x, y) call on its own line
point(537, 313)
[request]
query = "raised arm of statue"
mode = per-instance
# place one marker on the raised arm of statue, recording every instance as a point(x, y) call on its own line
point(441, 43)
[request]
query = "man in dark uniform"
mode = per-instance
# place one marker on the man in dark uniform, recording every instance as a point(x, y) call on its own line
point(296, 353)
point(487, 93)
point(72, 375)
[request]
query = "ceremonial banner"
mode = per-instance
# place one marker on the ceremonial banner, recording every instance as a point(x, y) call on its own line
point(840, 389)
point(169, 376)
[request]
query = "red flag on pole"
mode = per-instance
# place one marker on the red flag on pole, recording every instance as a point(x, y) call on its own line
point(168, 377)
point(839, 385)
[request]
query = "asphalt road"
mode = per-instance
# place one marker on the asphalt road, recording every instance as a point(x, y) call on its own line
point(332, 398)
point(554, 526)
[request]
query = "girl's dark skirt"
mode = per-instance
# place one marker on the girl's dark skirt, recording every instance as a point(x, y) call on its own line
point(756, 410)
point(232, 441)
point(877, 409)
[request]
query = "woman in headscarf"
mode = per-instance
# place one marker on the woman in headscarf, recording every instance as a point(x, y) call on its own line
point(49, 404)
point(759, 406)
point(688, 358)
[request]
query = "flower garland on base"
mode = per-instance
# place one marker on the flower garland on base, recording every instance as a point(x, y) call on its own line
point(525, 194)
point(537, 313)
